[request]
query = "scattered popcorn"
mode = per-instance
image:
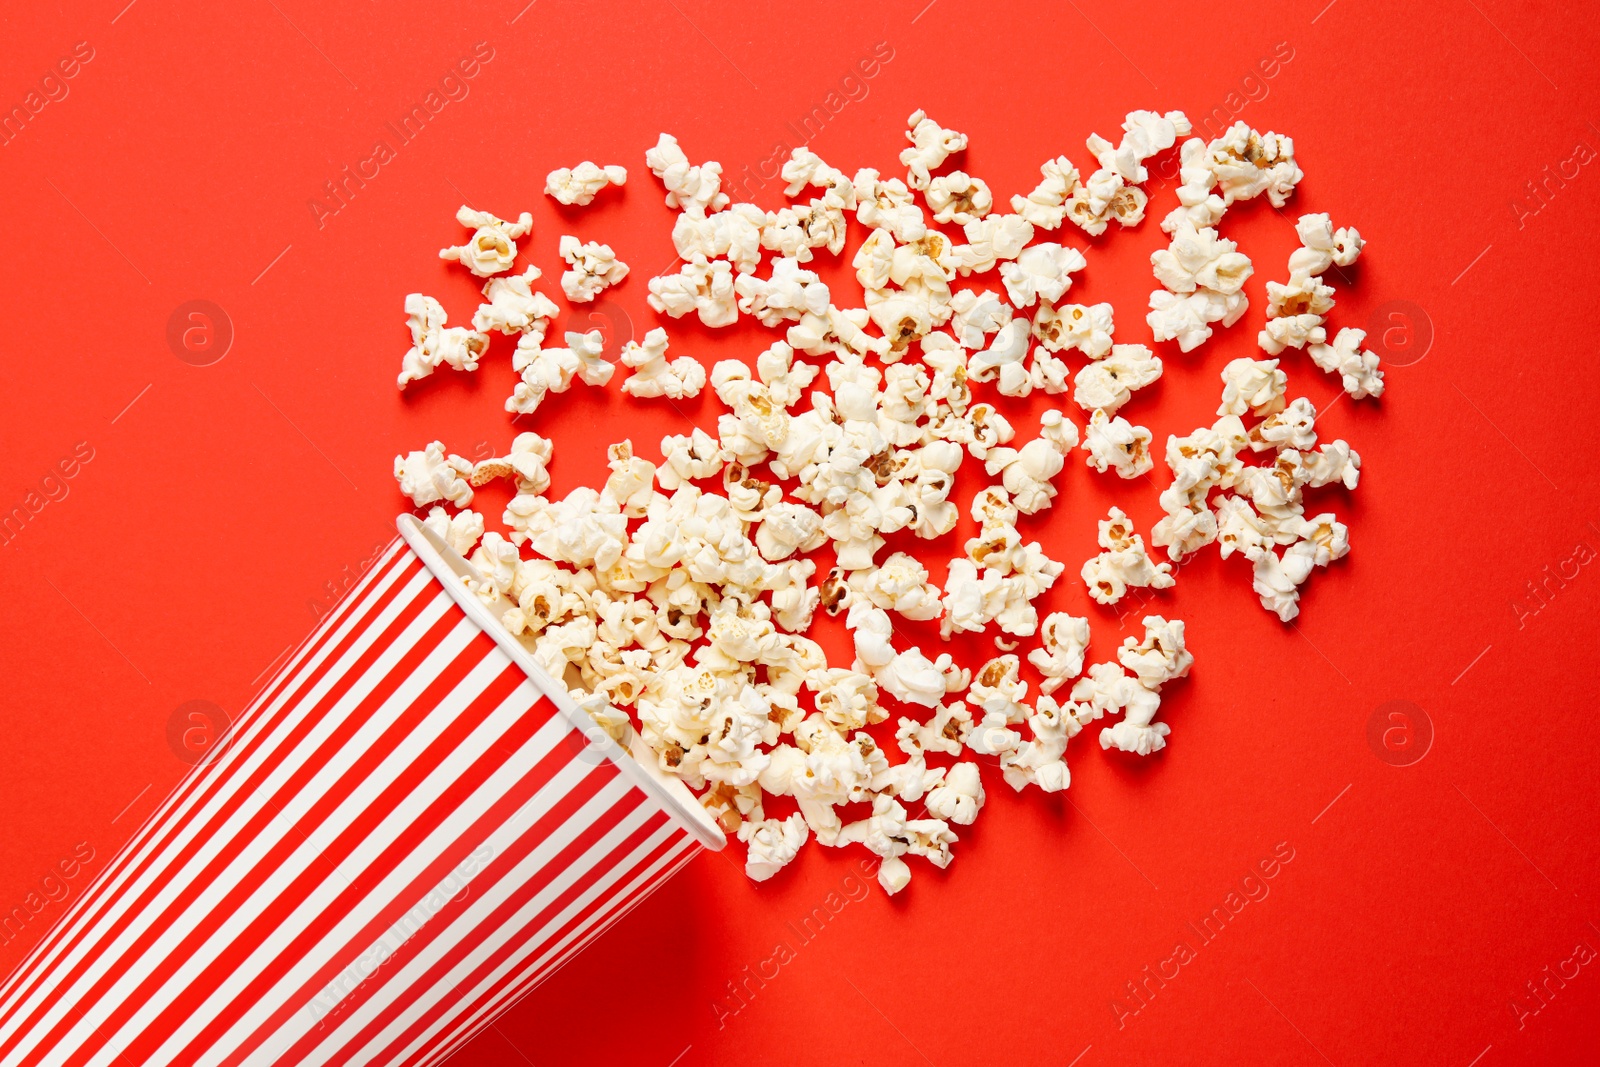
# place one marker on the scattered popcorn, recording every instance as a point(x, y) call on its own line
point(931, 145)
point(551, 370)
point(1252, 386)
point(528, 463)
point(675, 598)
point(460, 531)
point(594, 268)
point(580, 185)
point(1063, 640)
point(1358, 371)
point(654, 375)
point(514, 307)
point(1123, 564)
point(1046, 206)
point(430, 475)
point(959, 198)
point(1041, 272)
point(700, 286)
point(493, 244)
point(433, 343)
point(1115, 444)
point(691, 189)
point(773, 844)
point(1108, 384)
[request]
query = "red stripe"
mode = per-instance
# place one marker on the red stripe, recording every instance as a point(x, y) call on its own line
point(243, 942)
point(105, 913)
point(252, 788)
point(498, 868)
point(536, 779)
point(155, 939)
point(441, 1045)
point(162, 820)
point(108, 898)
point(504, 914)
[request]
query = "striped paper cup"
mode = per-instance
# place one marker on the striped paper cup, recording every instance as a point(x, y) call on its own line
point(407, 831)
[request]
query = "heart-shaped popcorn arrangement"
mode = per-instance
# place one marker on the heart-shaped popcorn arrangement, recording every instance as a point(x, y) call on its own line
point(674, 600)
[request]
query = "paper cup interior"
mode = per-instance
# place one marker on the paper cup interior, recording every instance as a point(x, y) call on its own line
point(446, 564)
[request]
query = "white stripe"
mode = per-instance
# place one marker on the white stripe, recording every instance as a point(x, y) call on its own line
point(306, 852)
point(173, 883)
point(484, 1013)
point(500, 840)
point(471, 923)
point(496, 1005)
point(592, 927)
point(189, 823)
point(383, 894)
point(153, 827)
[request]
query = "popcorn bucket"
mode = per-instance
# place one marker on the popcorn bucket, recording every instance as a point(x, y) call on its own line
point(408, 830)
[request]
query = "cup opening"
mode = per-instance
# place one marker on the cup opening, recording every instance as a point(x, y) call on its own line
point(447, 565)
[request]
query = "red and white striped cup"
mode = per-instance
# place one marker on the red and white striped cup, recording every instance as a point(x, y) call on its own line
point(407, 831)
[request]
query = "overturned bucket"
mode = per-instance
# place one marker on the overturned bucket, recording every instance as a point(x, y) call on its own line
point(408, 830)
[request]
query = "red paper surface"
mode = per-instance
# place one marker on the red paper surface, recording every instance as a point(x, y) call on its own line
point(222, 506)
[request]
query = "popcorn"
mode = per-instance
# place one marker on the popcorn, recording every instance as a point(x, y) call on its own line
point(579, 185)
point(1041, 761)
point(1160, 656)
point(1186, 318)
point(795, 230)
point(1108, 384)
point(804, 167)
point(990, 240)
point(1321, 246)
point(773, 845)
point(733, 234)
point(432, 343)
point(1254, 386)
point(1063, 640)
point(959, 797)
point(1085, 328)
point(786, 529)
point(1113, 190)
point(514, 307)
point(676, 596)
point(527, 462)
point(1045, 207)
point(460, 531)
point(959, 198)
point(1123, 564)
point(654, 375)
point(900, 585)
point(594, 268)
point(907, 676)
point(1026, 473)
point(551, 370)
point(1107, 690)
point(1293, 427)
point(1003, 359)
point(430, 475)
point(1114, 444)
point(493, 244)
point(789, 295)
point(1333, 462)
point(694, 190)
point(1358, 371)
point(1041, 272)
point(700, 286)
point(931, 145)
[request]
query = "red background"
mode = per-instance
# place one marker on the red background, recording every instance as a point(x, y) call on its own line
point(221, 508)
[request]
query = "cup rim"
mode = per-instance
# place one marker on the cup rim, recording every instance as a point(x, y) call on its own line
point(448, 566)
